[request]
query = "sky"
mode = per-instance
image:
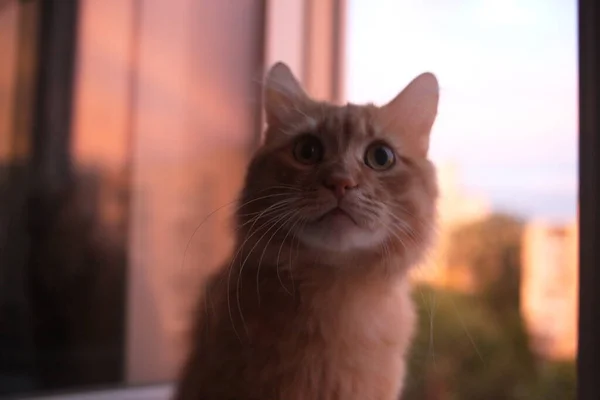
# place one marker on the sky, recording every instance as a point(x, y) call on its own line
point(508, 90)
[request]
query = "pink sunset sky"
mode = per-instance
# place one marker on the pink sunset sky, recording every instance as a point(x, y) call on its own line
point(508, 77)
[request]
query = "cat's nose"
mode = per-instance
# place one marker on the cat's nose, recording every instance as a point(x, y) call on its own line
point(339, 184)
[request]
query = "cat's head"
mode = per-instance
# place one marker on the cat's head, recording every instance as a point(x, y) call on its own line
point(343, 179)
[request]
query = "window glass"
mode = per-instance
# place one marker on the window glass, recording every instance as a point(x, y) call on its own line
point(119, 138)
point(142, 120)
point(497, 298)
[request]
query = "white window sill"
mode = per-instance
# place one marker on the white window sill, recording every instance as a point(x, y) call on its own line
point(156, 392)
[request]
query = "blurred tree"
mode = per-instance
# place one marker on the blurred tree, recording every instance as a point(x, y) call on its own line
point(475, 346)
point(463, 352)
point(490, 250)
point(558, 380)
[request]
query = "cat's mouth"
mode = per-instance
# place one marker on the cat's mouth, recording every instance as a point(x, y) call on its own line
point(335, 214)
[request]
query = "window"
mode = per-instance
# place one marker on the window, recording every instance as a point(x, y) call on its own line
point(123, 123)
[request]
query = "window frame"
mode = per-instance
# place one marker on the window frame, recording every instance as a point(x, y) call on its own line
point(588, 357)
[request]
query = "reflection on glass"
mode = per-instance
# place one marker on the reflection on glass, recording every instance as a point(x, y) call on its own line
point(62, 223)
point(135, 138)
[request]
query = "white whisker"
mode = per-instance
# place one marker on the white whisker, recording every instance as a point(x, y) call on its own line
point(263, 253)
point(274, 221)
point(222, 207)
point(251, 234)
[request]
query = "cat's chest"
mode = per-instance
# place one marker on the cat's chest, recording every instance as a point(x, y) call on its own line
point(376, 315)
point(372, 312)
point(360, 341)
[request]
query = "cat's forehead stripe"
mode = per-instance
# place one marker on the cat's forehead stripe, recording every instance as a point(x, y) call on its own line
point(348, 122)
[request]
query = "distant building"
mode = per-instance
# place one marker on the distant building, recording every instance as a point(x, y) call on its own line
point(549, 287)
point(456, 207)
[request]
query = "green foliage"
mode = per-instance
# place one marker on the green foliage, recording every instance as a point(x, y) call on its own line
point(491, 250)
point(463, 352)
point(557, 381)
point(475, 346)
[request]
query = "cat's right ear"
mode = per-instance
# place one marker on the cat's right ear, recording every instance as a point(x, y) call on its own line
point(283, 95)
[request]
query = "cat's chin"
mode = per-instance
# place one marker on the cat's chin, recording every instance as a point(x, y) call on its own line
point(339, 233)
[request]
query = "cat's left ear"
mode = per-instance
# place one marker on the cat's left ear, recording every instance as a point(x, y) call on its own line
point(412, 112)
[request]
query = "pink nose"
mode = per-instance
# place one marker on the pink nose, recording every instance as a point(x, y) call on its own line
point(339, 184)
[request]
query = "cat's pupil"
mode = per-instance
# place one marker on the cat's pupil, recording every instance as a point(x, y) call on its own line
point(308, 151)
point(381, 156)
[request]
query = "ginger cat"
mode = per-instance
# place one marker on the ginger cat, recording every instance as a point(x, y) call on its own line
point(338, 204)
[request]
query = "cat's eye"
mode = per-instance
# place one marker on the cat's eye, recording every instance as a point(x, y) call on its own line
point(380, 157)
point(308, 149)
